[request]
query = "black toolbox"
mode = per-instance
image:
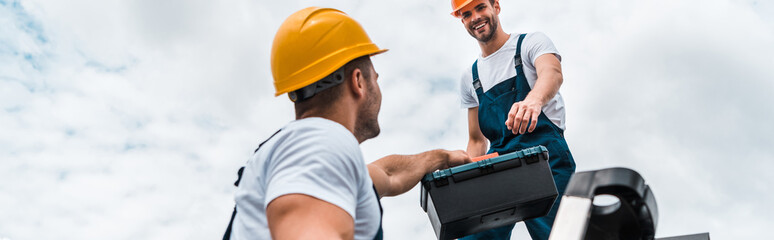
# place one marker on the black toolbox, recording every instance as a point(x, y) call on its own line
point(490, 193)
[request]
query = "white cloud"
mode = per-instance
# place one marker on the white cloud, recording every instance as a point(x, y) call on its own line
point(128, 119)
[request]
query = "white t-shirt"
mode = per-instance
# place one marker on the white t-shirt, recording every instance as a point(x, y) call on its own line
point(311, 156)
point(499, 67)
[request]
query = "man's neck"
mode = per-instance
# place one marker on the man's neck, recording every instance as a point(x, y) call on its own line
point(497, 41)
point(336, 113)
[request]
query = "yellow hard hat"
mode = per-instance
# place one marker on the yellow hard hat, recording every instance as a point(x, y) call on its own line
point(457, 5)
point(313, 43)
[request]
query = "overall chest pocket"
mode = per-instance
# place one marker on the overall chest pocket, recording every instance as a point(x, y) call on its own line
point(502, 89)
point(492, 116)
point(502, 97)
point(499, 108)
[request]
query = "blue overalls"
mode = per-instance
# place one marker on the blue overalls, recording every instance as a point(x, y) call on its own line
point(493, 109)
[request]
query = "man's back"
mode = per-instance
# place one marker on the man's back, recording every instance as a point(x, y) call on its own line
point(312, 156)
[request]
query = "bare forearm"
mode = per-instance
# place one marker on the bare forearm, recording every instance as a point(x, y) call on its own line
point(549, 73)
point(477, 147)
point(396, 174)
point(477, 142)
point(546, 87)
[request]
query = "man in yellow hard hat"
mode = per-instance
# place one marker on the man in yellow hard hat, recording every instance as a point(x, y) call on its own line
point(309, 180)
point(513, 100)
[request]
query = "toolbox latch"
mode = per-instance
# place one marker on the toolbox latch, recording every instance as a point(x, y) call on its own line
point(440, 178)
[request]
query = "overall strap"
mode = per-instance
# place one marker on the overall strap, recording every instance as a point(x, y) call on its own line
point(517, 56)
point(227, 235)
point(517, 65)
point(380, 233)
point(476, 80)
point(521, 84)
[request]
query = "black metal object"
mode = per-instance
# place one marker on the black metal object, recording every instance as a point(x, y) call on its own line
point(633, 217)
point(491, 193)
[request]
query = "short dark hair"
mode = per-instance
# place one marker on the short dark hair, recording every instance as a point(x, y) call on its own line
point(325, 98)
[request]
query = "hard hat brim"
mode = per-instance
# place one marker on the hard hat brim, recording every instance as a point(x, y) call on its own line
point(456, 13)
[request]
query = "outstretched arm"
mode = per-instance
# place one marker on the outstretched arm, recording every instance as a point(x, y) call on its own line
point(526, 112)
point(396, 174)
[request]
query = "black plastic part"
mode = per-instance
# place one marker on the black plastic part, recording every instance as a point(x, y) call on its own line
point(489, 197)
point(700, 236)
point(310, 90)
point(634, 217)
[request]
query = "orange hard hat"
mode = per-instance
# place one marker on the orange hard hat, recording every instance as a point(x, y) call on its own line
point(457, 5)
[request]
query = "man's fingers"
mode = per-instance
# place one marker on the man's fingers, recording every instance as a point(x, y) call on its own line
point(458, 157)
point(466, 157)
point(524, 120)
point(533, 124)
point(463, 156)
point(511, 116)
point(517, 120)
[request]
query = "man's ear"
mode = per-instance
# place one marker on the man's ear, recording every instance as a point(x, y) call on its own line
point(356, 83)
point(496, 7)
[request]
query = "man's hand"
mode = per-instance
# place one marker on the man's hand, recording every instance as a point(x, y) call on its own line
point(523, 114)
point(454, 158)
point(526, 112)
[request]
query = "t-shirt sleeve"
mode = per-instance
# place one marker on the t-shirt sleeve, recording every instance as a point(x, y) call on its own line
point(537, 44)
point(321, 168)
point(468, 98)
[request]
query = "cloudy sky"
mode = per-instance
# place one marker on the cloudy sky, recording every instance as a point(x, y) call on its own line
point(129, 119)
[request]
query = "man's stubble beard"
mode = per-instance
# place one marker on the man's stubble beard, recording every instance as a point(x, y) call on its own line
point(367, 125)
point(493, 22)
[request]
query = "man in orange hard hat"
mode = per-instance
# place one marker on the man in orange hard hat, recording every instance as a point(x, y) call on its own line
point(513, 101)
point(309, 180)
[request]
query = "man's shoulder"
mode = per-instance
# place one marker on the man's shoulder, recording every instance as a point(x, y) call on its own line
point(314, 135)
point(466, 75)
point(532, 39)
point(314, 143)
point(319, 130)
point(536, 36)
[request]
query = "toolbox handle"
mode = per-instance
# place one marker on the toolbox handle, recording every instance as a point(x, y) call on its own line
point(471, 170)
point(486, 168)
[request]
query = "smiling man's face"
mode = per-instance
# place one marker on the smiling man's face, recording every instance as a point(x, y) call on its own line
point(480, 19)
